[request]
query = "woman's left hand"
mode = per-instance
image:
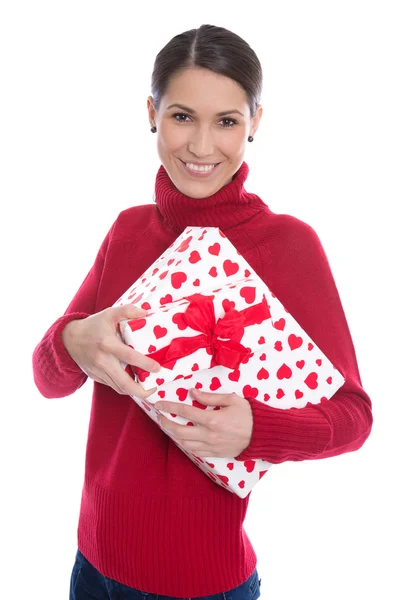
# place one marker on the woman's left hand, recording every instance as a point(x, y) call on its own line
point(220, 433)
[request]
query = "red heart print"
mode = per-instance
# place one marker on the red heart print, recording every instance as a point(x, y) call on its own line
point(177, 279)
point(284, 372)
point(249, 465)
point(298, 394)
point(154, 272)
point(178, 377)
point(170, 262)
point(151, 349)
point(136, 324)
point(250, 392)
point(319, 362)
point(280, 393)
point(310, 346)
point(213, 272)
point(230, 466)
point(214, 249)
point(159, 332)
point(198, 386)
point(266, 397)
point(163, 275)
point(323, 399)
point(136, 300)
point(159, 381)
point(215, 384)
point(263, 357)
point(280, 324)
point(196, 282)
point(211, 465)
point(241, 484)
point(161, 393)
point(166, 299)
point(230, 268)
point(199, 405)
point(300, 364)
point(234, 375)
point(278, 346)
point(143, 376)
point(195, 367)
point(227, 305)
point(261, 340)
point(311, 381)
point(329, 380)
point(182, 394)
point(247, 273)
point(224, 479)
point(262, 374)
point(178, 263)
point(294, 341)
point(145, 306)
point(184, 245)
point(248, 293)
point(194, 257)
point(178, 319)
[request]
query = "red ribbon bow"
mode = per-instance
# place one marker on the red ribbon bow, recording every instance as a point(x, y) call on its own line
point(219, 338)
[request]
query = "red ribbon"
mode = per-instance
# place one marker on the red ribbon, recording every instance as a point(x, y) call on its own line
point(200, 315)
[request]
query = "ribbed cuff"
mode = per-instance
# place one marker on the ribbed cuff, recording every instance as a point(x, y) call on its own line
point(54, 359)
point(286, 434)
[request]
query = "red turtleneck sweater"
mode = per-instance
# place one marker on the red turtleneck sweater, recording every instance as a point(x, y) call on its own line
point(149, 517)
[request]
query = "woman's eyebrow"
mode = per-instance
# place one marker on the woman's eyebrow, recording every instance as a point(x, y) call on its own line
point(219, 114)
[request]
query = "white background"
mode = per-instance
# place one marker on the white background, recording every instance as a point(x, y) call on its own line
point(76, 149)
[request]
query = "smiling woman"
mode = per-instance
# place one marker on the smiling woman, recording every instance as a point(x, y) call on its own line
point(149, 518)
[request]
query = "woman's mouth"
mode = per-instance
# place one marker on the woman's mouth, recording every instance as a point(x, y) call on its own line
point(199, 170)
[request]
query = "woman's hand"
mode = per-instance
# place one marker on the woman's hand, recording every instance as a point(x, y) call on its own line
point(94, 346)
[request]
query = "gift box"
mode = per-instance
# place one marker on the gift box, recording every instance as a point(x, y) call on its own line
point(213, 324)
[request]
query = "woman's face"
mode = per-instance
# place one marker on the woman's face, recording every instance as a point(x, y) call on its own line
point(203, 119)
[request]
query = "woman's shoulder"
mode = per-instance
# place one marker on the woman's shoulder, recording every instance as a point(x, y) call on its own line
point(133, 220)
point(286, 227)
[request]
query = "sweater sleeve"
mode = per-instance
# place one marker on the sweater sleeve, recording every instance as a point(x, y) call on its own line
point(308, 291)
point(56, 375)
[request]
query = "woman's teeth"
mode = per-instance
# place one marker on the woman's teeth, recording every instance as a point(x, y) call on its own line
point(203, 168)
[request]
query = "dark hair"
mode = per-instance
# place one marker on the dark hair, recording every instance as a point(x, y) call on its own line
point(209, 47)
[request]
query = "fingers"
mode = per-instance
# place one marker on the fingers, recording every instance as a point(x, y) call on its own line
point(123, 383)
point(132, 357)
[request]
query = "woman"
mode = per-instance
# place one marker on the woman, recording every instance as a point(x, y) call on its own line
point(151, 523)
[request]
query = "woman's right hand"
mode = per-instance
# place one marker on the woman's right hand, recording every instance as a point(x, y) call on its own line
point(94, 346)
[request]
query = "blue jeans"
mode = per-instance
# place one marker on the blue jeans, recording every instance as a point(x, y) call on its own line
point(87, 583)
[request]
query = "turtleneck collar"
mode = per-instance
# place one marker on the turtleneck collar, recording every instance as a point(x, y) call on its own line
point(230, 205)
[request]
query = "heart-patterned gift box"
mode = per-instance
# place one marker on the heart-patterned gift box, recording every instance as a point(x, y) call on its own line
point(220, 329)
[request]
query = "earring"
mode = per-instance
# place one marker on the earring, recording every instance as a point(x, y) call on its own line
point(250, 138)
point(153, 129)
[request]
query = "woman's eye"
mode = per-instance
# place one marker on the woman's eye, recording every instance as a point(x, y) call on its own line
point(179, 115)
point(233, 122)
point(227, 122)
